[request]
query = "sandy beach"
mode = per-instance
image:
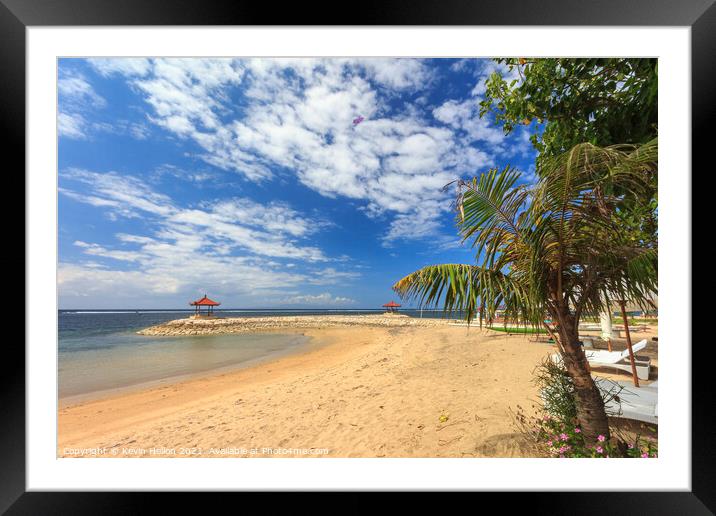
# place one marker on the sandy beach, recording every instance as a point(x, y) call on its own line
point(407, 388)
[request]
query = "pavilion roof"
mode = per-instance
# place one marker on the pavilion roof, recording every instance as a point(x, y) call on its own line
point(204, 301)
point(392, 304)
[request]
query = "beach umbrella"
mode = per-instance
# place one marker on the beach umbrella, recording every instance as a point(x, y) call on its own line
point(605, 321)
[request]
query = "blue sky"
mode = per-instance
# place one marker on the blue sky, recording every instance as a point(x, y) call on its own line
point(246, 178)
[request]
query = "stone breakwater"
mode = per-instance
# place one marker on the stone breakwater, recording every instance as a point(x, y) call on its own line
point(257, 324)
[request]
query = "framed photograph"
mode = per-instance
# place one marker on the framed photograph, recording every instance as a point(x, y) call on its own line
point(433, 249)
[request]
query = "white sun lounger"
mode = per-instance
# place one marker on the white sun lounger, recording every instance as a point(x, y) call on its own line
point(617, 359)
point(640, 404)
point(620, 360)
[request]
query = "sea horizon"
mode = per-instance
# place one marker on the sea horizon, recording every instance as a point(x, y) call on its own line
point(191, 310)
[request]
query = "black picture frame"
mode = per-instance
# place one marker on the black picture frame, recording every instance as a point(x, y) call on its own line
point(17, 15)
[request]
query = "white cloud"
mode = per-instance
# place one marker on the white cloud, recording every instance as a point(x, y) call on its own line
point(325, 299)
point(75, 98)
point(185, 274)
point(138, 131)
point(97, 250)
point(74, 89)
point(186, 94)
point(265, 230)
point(78, 103)
point(298, 120)
point(198, 177)
point(462, 65)
point(222, 247)
point(89, 280)
point(464, 116)
point(530, 177)
point(417, 224)
point(71, 125)
point(173, 272)
point(407, 73)
point(331, 276)
point(126, 66)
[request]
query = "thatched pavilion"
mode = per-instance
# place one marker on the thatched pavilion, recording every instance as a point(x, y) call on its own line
point(391, 307)
point(204, 301)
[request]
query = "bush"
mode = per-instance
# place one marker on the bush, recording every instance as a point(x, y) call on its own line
point(555, 430)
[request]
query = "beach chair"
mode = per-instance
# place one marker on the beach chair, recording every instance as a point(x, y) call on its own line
point(617, 359)
point(620, 360)
point(638, 404)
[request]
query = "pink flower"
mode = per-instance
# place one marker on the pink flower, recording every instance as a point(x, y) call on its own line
point(631, 446)
point(601, 438)
point(549, 443)
point(563, 437)
point(577, 430)
point(644, 455)
point(599, 449)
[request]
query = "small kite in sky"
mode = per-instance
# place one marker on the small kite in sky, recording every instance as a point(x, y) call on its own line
point(358, 120)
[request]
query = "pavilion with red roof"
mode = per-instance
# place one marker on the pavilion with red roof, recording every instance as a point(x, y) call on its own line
point(392, 306)
point(204, 301)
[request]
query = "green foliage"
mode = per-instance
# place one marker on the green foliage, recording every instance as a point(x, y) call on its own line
point(557, 392)
point(556, 431)
point(559, 243)
point(602, 101)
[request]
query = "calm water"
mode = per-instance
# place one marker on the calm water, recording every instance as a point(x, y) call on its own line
point(99, 349)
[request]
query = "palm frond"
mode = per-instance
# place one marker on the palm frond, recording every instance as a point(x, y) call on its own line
point(568, 242)
point(471, 290)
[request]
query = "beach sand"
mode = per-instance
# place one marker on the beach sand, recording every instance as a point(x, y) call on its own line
point(402, 391)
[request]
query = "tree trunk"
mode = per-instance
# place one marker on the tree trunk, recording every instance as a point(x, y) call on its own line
point(590, 406)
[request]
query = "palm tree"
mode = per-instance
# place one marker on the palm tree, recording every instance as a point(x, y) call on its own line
point(564, 247)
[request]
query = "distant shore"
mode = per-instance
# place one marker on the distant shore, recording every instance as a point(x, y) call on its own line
point(221, 325)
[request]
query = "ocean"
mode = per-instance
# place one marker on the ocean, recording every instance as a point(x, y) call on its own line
point(99, 350)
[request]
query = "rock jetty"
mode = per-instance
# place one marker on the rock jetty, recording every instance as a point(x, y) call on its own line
point(257, 324)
